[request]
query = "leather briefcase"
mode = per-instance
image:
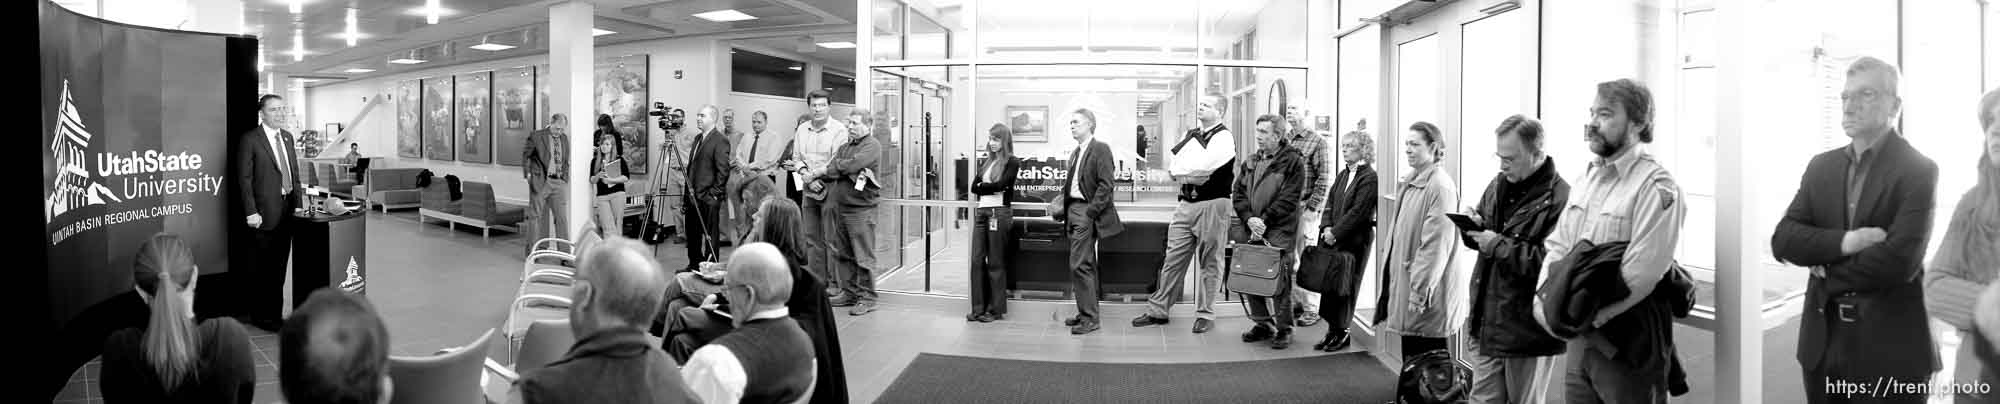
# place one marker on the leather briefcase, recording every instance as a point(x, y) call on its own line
point(1254, 270)
point(1325, 270)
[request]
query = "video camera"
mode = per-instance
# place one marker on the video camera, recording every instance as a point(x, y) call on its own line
point(671, 119)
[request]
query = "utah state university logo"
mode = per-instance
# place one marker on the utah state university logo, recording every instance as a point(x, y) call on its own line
point(72, 187)
point(354, 283)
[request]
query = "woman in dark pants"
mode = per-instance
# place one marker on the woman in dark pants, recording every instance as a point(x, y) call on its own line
point(993, 225)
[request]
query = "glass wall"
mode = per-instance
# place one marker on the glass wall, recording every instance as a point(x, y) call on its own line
point(1138, 66)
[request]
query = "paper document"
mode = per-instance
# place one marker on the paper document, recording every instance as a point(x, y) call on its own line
point(864, 178)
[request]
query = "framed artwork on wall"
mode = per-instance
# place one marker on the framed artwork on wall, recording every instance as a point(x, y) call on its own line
point(514, 96)
point(620, 91)
point(472, 128)
point(409, 119)
point(1029, 123)
point(437, 119)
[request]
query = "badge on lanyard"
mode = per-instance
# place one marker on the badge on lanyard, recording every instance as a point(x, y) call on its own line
point(992, 225)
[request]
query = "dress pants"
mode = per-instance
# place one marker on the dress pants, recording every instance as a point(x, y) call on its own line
point(1519, 380)
point(266, 291)
point(703, 234)
point(1593, 377)
point(545, 210)
point(993, 229)
point(1262, 309)
point(1195, 235)
point(1305, 300)
point(1083, 260)
point(852, 243)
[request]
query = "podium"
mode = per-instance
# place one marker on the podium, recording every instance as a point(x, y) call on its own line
point(328, 250)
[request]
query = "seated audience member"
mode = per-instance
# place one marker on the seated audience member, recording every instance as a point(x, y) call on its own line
point(334, 350)
point(617, 290)
point(767, 358)
point(689, 289)
point(172, 359)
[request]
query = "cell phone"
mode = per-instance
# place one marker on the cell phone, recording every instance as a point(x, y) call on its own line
point(1465, 223)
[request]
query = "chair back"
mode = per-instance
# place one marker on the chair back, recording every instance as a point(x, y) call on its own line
point(478, 201)
point(547, 341)
point(812, 384)
point(449, 378)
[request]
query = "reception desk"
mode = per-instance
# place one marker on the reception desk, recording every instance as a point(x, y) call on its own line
point(1128, 263)
point(329, 250)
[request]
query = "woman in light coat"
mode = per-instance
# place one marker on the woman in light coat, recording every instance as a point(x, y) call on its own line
point(1424, 296)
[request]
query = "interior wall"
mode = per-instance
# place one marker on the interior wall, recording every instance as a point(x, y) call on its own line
point(1116, 114)
point(694, 59)
point(1588, 42)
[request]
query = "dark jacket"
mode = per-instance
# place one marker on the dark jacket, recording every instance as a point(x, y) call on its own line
point(1004, 187)
point(1351, 215)
point(1641, 338)
point(1504, 280)
point(809, 307)
point(1093, 179)
point(1269, 187)
point(223, 373)
point(542, 157)
point(852, 157)
point(624, 166)
point(708, 168)
point(776, 357)
point(614, 366)
point(258, 177)
point(1891, 335)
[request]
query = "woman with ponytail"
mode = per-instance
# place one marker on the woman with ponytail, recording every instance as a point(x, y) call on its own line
point(173, 359)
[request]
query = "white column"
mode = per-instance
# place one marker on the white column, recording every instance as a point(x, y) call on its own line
point(1320, 61)
point(1739, 333)
point(570, 53)
point(219, 16)
point(864, 51)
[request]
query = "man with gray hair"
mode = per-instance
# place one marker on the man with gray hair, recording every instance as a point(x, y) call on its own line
point(617, 290)
point(1861, 221)
point(1512, 358)
point(767, 358)
point(848, 218)
point(542, 163)
point(1319, 167)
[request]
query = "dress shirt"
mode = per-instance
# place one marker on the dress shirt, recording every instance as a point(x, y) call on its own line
point(273, 136)
point(760, 149)
point(1199, 159)
point(1627, 197)
point(1082, 152)
point(815, 147)
point(713, 372)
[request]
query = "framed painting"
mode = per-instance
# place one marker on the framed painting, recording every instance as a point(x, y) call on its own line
point(409, 119)
point(437, 118)
point(472, 127)
point(514, 96)
point(620, 91)
point(1030, 123)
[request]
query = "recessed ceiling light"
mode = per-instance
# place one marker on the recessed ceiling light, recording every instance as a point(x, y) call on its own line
point(359, 70)
point(796, 68)
point(837, 45)
point(725, 16)
point(492, 47)
point(600, 32)
point(406, 61)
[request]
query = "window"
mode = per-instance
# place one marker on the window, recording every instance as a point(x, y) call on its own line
point(1268, 30)
point(757, 73)
point(1037, 101)
point(841, 86)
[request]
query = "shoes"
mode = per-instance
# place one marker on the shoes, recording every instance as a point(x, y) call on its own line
point(1147, 319)
point(1072, 321)
point(991, 317)
point(1308, 319)
point(1202, 325)
point(1257, 333)
point(841, 301)
point(1282, 340)
point(1083, 327)
point(1334, 343)
point(973, 316)
point(862, 308)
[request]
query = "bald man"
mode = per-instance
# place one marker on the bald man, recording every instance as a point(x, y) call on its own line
point(767, 358)
point(617, 290)
point(334, 350)
point(708, 177)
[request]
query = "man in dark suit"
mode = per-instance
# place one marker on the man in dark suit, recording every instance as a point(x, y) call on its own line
point(708, 180)
point(542, 163)
point(1861, 221)
point(1348, 226)
point(1085, 203)
point(267, 181)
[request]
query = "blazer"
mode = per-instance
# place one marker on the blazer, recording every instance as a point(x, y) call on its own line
point(1508, 268)
point(708, 168)
point(1004, 187)
point(258, 177)
point(1351, 215)
point(540, 159)
point(1093, 179)
point(1883, 283)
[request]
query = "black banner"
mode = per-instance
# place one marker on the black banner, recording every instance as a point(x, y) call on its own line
point(134, 140)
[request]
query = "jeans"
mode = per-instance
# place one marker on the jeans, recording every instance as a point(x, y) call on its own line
point(852, 242)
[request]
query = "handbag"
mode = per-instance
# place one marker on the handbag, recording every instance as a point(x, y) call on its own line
point(1326, 270)
point(1433, 377)
point(1254, 270)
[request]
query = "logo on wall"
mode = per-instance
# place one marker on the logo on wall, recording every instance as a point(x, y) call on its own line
point(353, 284)
point(73, 187)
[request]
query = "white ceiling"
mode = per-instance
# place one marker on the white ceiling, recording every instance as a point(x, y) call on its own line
point(396, 28)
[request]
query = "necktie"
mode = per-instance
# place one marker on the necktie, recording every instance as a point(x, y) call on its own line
point(284, 163)
point(753, 146)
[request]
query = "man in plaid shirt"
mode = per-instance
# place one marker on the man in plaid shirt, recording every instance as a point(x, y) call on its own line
point(1318, 177)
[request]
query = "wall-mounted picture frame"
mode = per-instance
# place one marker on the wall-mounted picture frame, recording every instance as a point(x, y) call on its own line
point(409, 119)
point(472, 127)
point(1030, 123)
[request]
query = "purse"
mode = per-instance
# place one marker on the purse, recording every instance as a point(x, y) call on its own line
point(1325, 270)
point(1254, 270)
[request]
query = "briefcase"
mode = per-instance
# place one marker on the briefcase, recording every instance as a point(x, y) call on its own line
point(1254, 270)
point(1326, 270)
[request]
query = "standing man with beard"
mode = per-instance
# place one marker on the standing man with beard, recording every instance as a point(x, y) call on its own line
point(1861, 221)
point(1626, 196)
point(267, 181)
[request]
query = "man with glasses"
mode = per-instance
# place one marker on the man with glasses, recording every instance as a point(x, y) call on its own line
point(1511, 356)
point(1861, 221)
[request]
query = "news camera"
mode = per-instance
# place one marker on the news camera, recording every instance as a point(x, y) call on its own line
point(670, 119)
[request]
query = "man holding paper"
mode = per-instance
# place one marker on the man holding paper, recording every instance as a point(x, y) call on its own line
point(851, 195)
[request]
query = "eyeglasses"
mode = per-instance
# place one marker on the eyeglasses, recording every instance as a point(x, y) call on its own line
point(1862, 96)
